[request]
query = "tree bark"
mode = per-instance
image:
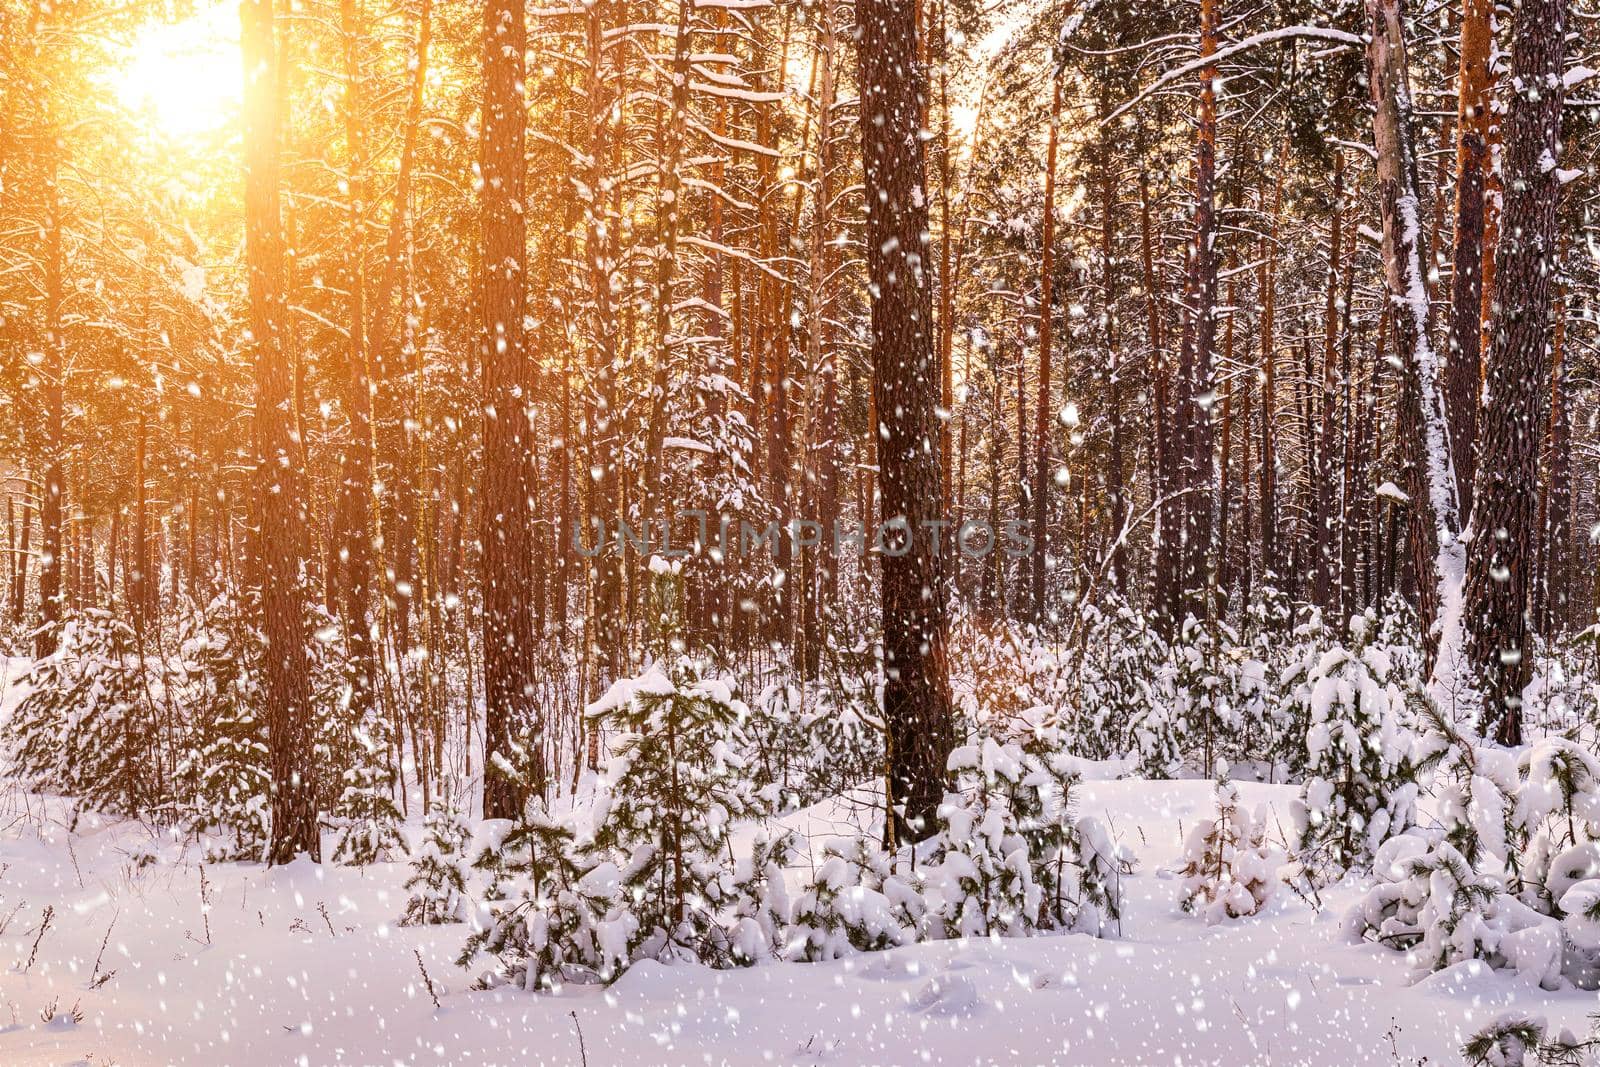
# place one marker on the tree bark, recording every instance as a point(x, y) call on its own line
point(279, 502)
point(1502, 553)
point(1184, 558)
point(1040, 553)
point(1430, 472)
point(905, 383)
point(507, 514)
point(53, 370)
point(1466, 280)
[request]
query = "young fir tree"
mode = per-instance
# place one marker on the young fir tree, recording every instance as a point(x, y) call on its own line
point(365, 820)
point(861, 899)
point(225, 774)
point(1360, 787)
point(1502, 875)
point(1119, 713)
point(1230, 870)
point(85, 727)
point(677, 781)
point(438, 879)
point(544, 905)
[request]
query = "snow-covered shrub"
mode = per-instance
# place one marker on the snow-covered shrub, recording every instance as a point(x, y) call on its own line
point(677, 780)
point(1199, 688)
point(87, 727)
point(761, 909)
point(438, 878)
point(1398, 630)
point(815, 740)
point(1012, 857)
point(1121, 711)
point(1360, 785)
point(365, 821)
point(224, 773)
point(1513, 1040)
point(1230, 870)
point(657, 877)
point(861, 899)
point(984, 876)
point(1505, 874)
point(543, 907)
point(1432, 902)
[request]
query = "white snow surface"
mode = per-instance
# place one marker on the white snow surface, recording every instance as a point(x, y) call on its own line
point(278, 983)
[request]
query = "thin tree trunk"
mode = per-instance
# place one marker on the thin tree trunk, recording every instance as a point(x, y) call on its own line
point(1184, 561)
point(53, 370)
point(1040, 552)
point(1466, 281)
point(1436, 553)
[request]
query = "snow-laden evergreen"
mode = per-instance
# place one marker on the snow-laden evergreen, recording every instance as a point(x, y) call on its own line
point(1230, 868)
point(1360, 780)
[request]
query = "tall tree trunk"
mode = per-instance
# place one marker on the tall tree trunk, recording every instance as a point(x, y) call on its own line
point(508, 624)
point(1436, 553)
point(1466, 280)
point(1502, 554)
point(1267, 285)
point(1116, 481)
point(53, 370)
point(278, 463)
point(905, 386)
point(1184, 560)
point(1326, 490)
point(356, 514)
point(1555, 504)
point(604, 618)
point(669, 211)
point(1041, 431)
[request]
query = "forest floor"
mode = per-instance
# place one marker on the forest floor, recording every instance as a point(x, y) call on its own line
point(304, 965)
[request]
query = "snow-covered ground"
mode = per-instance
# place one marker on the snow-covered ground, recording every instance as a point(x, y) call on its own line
point(169, 961)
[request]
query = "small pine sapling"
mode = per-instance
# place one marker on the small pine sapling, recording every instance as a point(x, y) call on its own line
point(1360, 786)
point(224, 776)
point(677, 781)
point(860, 900)
point(1230, 869)
point(86, 724)
point(365, 820)
point(438, 879)
point(544, 904)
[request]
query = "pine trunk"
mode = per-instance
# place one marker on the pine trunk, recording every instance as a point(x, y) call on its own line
point(905, 384)
point(1502, 555)
point(512, 759)
point(279, 490)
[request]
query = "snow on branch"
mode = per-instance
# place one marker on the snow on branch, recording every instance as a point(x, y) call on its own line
point(1286, 33)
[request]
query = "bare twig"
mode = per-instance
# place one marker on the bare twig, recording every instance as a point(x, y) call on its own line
point(427, 979)
point(33, 954)
point(583, 1051)
point(96, 979)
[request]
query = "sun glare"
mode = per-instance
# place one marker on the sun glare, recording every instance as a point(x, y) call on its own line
point(184, 77)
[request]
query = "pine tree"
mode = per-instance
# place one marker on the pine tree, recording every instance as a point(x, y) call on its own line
point(861, 899)
point(438, 873)
point(86, 728)
point(364, 818)
point(1229, 869)
point(677, 781)
point(1360, 786)
point(905, 388)
point(545, 901)
point(226, 772)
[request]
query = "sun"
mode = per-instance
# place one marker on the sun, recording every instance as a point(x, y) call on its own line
point(184, 77)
